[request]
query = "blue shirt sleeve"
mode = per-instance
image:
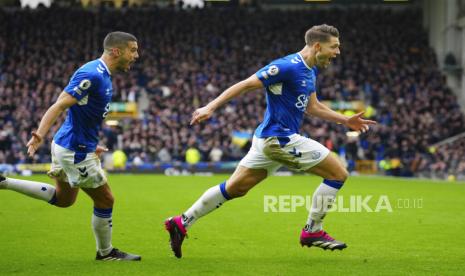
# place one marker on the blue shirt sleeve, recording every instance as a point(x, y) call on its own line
point(81, 83)
point(275, 72)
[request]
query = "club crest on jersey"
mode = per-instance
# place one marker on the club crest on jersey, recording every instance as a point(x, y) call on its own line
point(85, 84)
point(273, 70)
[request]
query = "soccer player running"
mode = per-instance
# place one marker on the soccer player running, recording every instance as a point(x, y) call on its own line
point(290, 93)
point(75, 154)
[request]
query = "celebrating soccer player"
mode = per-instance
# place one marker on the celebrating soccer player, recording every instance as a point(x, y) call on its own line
point(75, 154)
point(290, 84)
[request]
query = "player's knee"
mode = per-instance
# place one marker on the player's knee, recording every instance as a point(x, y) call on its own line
point(238, 187)
point(65, 203)
point(340, 175)
point(108, 201)
point(104, 201)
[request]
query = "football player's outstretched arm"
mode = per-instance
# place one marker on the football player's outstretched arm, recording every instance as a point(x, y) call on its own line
point(63, 102)
point(355, 122)
point(206, 112)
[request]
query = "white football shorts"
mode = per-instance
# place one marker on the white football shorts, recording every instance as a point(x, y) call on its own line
point(67, 166)
point(296, 152)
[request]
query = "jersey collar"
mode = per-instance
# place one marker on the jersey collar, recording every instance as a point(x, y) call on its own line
point(303, 60)
point(106, 67)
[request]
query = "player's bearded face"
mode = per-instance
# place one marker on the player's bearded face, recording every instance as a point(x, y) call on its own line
point(128, 56)
point(327, 51)
point(124, 64)
point(322, 60)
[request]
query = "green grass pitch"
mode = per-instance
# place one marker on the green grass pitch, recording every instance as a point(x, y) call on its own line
point(240, 238)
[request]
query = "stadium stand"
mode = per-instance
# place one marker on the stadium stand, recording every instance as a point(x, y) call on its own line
point(187, 58)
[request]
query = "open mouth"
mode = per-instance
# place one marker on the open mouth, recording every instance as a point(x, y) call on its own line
point(330, 59)
point(130, 64)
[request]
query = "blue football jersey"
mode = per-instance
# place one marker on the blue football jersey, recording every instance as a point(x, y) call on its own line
point(288, 82)
point(91, 86)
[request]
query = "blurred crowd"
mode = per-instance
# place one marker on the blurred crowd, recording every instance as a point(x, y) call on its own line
point(188, 57)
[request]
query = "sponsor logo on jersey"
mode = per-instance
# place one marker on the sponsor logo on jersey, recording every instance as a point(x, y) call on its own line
point(302, 102)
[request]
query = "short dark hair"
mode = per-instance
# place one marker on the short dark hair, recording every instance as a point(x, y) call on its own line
point(320, 33)
point(117, 39)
